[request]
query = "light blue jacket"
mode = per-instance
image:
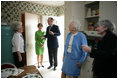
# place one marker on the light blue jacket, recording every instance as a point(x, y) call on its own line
point(76, 50)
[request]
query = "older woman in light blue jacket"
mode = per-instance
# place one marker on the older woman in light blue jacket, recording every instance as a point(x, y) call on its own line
point(74, 56)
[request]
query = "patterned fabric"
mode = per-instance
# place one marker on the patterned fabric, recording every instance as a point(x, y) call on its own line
point(11, 10)
point(10, 72)
point(34, 75)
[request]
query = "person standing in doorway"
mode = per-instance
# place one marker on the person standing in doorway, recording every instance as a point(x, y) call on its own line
point(52, 42)
point(18, 43)
point(39, 44)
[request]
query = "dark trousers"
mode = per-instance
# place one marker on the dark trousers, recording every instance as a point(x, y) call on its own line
point(109, 74)
point(105, 76)
point(52, 56)
point(17, 63)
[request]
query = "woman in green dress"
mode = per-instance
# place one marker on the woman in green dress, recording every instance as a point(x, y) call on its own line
point(39, 44)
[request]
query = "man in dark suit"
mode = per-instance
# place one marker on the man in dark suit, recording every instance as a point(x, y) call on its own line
point(52, 42)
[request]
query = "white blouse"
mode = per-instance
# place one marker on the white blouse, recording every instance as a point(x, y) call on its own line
point(18, 43)
point(70, 43)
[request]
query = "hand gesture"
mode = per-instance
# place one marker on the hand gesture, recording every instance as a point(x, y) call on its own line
point(51, 33)
point(79, 64)
point(20, 59)
point(42, 45)
point(86, 48)
point(43, 37)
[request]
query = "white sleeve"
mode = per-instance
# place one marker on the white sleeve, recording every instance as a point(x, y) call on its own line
point(17, 42)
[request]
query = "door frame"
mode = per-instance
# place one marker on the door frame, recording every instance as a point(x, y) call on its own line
point(23, 25)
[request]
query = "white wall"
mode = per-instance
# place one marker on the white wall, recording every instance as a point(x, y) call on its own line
point(108, 10)
point(78, 11)
point(68, 16)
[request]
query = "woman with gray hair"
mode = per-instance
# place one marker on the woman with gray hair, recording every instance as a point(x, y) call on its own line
point(73, 56)
point(105, 55)
point(18, 43)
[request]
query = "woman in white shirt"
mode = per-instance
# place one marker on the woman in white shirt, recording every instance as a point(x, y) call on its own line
point(18, 44)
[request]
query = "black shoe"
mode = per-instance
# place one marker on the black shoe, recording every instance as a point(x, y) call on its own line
point(49, 67)
point(54, 68)
point(42, 66)
point(38, 66)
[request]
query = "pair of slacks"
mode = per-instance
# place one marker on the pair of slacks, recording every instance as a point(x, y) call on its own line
point(16, 58)
point(52, 56)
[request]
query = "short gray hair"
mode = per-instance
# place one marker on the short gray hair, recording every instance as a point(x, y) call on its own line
point(15, 25)
point(106, 23)
point(51, 18)
point(76, 23)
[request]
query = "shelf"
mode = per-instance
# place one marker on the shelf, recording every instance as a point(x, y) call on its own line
point(94, 3)
point(88, 17)
point(92, 34)
point(91, 14)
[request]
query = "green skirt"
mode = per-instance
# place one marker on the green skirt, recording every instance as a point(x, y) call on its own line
point(39, 50)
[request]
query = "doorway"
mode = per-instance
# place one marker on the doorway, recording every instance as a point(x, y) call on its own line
point(50, 73)
point(31, 21)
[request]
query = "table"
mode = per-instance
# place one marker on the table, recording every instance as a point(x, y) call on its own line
point(27, 69)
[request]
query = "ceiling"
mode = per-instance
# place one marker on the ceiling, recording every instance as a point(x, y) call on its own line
point(49, 3)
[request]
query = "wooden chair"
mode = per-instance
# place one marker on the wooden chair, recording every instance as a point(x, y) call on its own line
point(7, 65)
